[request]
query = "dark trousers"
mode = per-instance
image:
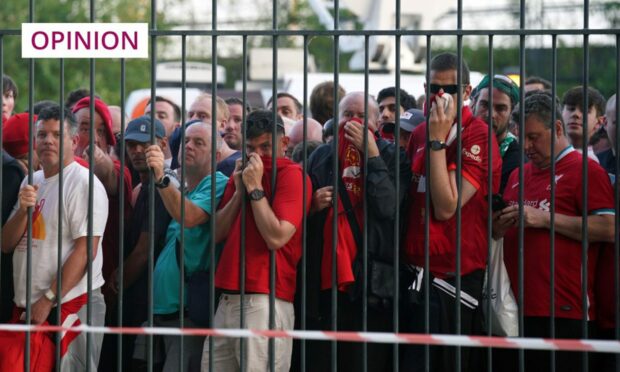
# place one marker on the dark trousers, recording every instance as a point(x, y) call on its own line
point(442, 313)
point(538, 360)
point(605, 362)
point(350, 354)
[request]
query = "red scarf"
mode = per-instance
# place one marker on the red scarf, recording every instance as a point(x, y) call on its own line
point(68, 318)
point(350, 164)
point(267, 170)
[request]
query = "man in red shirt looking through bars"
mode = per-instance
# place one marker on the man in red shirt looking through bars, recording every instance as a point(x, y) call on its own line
point(273, 223)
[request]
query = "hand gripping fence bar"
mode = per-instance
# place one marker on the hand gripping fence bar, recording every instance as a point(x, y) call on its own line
point(599, 346)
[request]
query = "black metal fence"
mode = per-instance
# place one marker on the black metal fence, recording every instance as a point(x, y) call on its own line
point(278, 31)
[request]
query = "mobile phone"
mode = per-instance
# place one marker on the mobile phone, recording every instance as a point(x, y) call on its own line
point(498, 203)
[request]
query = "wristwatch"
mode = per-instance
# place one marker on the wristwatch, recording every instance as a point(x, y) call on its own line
point(163, 182)
point(256, 194)
point(49, 294)
point(436, 145)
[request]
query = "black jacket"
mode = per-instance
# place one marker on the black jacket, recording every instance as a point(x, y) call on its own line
point(381, 197)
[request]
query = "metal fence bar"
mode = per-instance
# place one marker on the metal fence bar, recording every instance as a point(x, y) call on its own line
point(521, 228)
point(490, 135)
point(214, 133)
point(121, 222)
point(274, 178)
point(1, 150)
point(459, 181)
point(151, 193)
point(304, 247)
point(552, 206)
point(242, 259)
point(183, 192)
point(427, 206)
point(396, 313)
point(30, 209)
point(584, 224)
point(60, 214)
point(403, 32)
point(617, 204)
point(335, 167)
point(365, 208)
point(91, 199)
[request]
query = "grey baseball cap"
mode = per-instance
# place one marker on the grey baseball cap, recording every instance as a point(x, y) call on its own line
point(410, 119)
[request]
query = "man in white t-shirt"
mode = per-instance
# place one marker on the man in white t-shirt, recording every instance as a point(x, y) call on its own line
point(43, 196)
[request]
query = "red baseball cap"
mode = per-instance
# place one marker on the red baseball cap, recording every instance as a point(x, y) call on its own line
point(15, 139)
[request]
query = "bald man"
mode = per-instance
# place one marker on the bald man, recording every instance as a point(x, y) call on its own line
point(296, 134)
point(376, 182)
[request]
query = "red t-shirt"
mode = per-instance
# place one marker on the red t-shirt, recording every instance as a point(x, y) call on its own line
point(442, 236)
point(286, 205)
point(536, 255)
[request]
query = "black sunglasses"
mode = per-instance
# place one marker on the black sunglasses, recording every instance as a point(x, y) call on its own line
point(450, 89)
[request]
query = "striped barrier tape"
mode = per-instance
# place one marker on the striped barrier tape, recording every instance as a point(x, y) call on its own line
point(601, 346)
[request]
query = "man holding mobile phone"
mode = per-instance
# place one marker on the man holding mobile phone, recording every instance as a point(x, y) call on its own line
point(540, 130)
point(442, 143)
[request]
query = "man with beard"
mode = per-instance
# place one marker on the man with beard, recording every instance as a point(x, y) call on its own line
point(135, 280)
point(505, 98)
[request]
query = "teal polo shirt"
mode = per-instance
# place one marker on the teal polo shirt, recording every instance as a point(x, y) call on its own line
point(166, 276)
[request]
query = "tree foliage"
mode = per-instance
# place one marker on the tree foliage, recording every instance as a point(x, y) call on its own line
point(76, 71)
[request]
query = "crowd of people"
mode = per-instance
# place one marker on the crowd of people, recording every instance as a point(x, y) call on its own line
point(259, 212)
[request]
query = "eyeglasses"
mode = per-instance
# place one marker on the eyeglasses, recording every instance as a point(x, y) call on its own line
point(449, 89)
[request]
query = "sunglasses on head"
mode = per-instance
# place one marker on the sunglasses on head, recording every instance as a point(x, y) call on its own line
point(449, 89)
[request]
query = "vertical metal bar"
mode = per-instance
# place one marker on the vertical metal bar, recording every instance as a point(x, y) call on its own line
point(584, 195)
point(242, 260)
point(91, 184)
point(552, 208)
point(490, 195)
point(365, 208)
point(152, 191)
point(274, 138)
point(617, 204)
point(1, 136)
point(427, 206)
point(60, 214)
point(334, 289)
point(29, 219)
point(304, 231)
point(182, 221)
point(520, 294)
point(121, 223)
point(214, 133)
point(459, 173)
point(397, 191)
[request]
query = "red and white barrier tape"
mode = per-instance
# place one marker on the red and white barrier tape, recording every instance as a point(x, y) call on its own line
point(600, 346)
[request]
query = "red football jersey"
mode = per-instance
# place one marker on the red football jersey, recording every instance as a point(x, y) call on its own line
point(442, 236)
point(287, 205)
point(536, 256)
